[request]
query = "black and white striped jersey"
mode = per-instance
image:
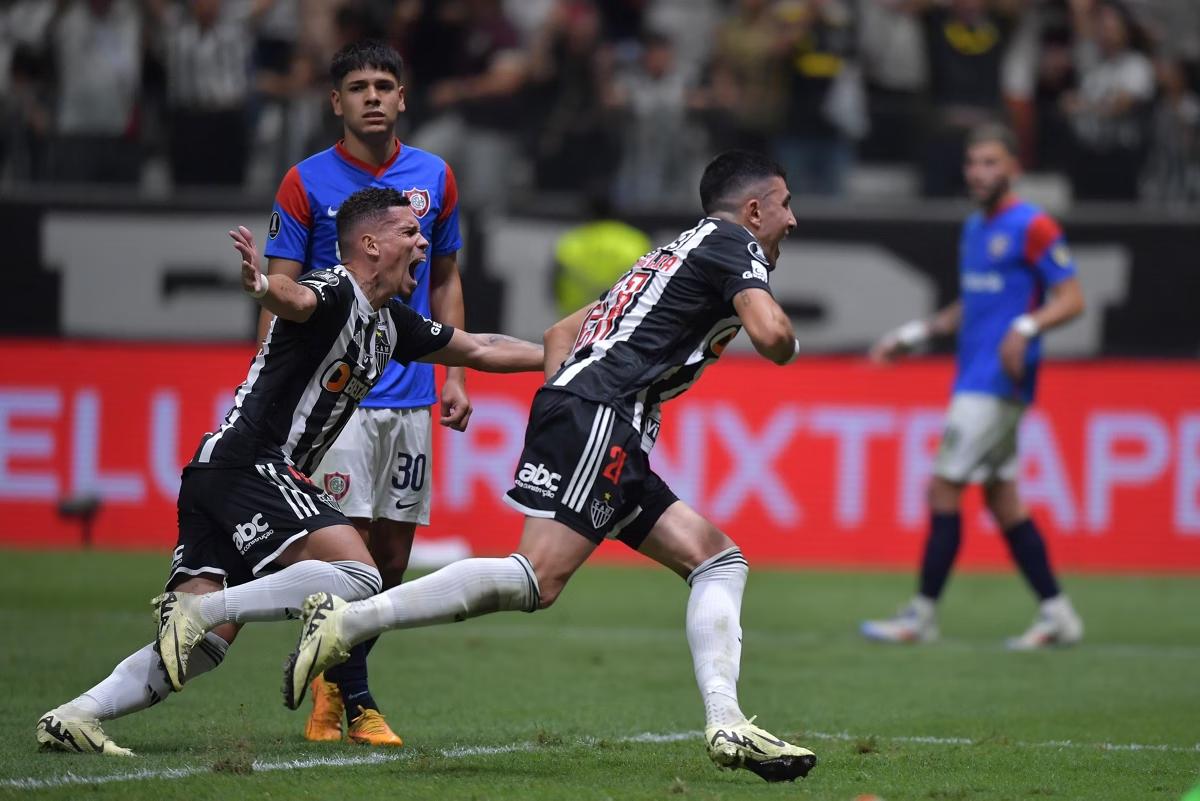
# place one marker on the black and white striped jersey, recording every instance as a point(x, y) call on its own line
point(308, 377)
point(651, 336)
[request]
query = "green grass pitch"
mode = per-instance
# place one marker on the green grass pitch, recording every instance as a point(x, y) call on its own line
point(594, 699)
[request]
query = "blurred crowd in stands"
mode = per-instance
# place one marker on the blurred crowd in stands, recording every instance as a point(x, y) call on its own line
point(615, 101)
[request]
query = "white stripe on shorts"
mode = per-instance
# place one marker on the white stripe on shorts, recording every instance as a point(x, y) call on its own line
point(589, 465)
point(295, 499)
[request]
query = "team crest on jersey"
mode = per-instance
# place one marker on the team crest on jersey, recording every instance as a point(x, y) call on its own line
point(418, 199)
point(998, 246)
point(1061, 255)
point(601, 511)
point(337, 485)
point(383, 348)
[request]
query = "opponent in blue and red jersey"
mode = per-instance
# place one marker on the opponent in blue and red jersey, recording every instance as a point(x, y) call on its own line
point(1016, 281)
point(379, 468)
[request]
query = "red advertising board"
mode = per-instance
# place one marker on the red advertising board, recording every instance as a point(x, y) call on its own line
point(823, 462)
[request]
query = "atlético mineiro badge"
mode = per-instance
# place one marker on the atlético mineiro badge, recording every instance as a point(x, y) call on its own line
point(418, 199)
point(601, 513)
point(337, 485)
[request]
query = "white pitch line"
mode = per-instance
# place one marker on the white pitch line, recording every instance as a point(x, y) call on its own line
point(926, 740)
point(459, 752)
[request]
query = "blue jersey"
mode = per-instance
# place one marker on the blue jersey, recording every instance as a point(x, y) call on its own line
point(1006, 264)
point(303, 228)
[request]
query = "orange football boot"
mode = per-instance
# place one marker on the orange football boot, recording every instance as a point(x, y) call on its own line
point(325, 721)
point(370, 728)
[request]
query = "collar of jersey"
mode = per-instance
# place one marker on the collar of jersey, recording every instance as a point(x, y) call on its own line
point(358, 164)
point(364, 304)
point(1005, 206)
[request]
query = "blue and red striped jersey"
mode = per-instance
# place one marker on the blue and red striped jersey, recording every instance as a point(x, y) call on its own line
point(303, 228)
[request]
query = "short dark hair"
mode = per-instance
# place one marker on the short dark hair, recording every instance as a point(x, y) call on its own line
point(729, 174)
point(365, 205)
point(365, 54)
point(996, 132)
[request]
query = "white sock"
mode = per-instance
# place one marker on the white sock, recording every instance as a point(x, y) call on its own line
point(139, 682)
point(465, 589)
point(1057, 606)
point(925, 607)
point(281, 595)
point(714, 633)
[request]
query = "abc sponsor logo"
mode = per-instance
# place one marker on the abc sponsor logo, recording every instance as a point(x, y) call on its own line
point(246, 534)
point(537, 478)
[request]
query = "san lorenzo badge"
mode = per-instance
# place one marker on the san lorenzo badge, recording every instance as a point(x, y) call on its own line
point(337, 485)
point(419, 200)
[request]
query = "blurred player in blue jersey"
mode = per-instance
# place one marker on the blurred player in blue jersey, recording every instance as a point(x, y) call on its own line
point(1017, 280)
point(379, 469)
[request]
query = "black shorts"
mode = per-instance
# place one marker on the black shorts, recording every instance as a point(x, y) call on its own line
point(236, 521)
point(583, 465)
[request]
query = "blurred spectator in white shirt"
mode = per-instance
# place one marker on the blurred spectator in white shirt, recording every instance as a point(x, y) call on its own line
point(97, 47)
point(208, 46)
point(1109, 113)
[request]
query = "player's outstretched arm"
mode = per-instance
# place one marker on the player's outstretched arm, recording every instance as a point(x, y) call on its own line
point(767, 325)
point(281, 296)
point(915, 333)
point(490, 353)
point(286, 267)
point(560, 337)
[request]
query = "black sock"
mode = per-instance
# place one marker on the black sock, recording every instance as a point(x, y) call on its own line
point(1029, 552)
point(351, 679)
point(945, 534)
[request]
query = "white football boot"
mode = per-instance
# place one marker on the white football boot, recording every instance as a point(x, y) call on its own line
point(1057, 624)
point(916, 622)
point(320, 647)
point(180, 629)
point(744, 745)
point(66, 729)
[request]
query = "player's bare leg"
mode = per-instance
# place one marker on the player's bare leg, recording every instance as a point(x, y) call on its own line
point(528, 580)
point(713, 565)
point(331, 559)
point(137, 683)
point(346, 686)
point(1057, 622)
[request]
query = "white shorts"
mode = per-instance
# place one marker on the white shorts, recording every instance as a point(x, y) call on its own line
point(979, 444)
point(379, 466)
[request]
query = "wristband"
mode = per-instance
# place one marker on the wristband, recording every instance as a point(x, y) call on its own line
point(1026, 326)
point(795, 350)
point(912, 333)
point(260, 287)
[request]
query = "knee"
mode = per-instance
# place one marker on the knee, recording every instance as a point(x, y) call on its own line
point(548, 591)
point(944, 495)
point(391, 547)
point(227, 632)
point(1004, 506)
point(702, 552)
